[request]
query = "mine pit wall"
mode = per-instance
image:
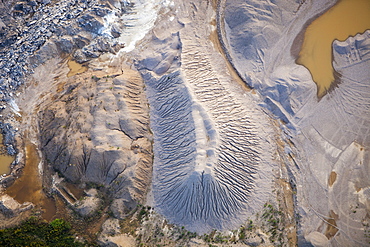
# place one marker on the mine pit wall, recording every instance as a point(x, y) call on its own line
point(33, 35)
point(97, 130)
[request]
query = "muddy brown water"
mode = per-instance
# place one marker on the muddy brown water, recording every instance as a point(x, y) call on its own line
point(5, 162)
point(5, 159)
point(332, 178)
point(344, 19)
point(75, 68)
point(28, 188)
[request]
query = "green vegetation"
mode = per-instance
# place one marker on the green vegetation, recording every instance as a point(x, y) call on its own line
point(130, 223)
point(366, 225)
point(95, 78)
point(273, 219)
point(143, 213)
point(156, 232)
point(37, 233)
point(242, 233)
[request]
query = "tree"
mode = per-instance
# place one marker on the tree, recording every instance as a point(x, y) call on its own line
point(37, 233)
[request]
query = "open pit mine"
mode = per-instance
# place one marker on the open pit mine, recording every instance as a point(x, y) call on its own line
point(186, 123)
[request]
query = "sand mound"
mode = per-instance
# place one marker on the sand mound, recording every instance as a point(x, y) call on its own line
point(212, 156)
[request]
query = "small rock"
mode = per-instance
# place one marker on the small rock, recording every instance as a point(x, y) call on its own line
point(253, 241)
point(18, 6)
point(121, 207)
point(317, 239)
point(100, 11)
point(65, 44)
point(89, 52)
point(111, 227)
point(7, 181)
point(116, 31)
point(91, 23)
point(81, 39)
point(88, 206)
point(32, 3)
point(80, 57)
point(11, 150)
point(102, 45)
point(91, 192)
point(44, 1)
point(10, 207)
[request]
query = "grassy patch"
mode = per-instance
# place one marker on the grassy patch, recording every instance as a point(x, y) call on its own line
point(35, 232)
point(273, 219)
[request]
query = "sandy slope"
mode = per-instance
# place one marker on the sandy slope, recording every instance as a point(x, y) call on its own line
point(213, 146)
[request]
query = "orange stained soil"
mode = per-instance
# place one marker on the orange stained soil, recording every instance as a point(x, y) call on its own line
point(332, 228)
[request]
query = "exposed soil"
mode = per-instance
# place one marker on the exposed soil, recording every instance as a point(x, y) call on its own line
point(285, 196)
point(331, 229)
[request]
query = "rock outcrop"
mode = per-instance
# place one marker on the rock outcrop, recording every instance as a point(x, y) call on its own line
point(10, 207)
point(31, 32)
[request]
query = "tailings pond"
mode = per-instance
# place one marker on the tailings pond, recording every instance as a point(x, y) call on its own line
point(5, 159)
point(28, 188)
point(344, 19)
